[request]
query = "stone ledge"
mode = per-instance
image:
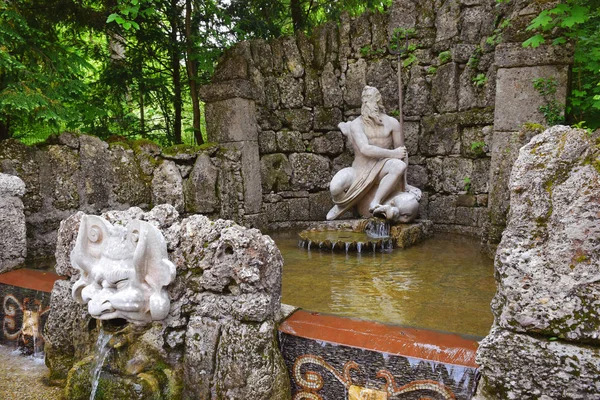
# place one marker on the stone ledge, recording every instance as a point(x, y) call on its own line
point(401, 235)
point(509, 55)
point(227, 90)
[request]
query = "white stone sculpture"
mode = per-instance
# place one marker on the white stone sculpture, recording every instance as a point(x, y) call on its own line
point(376, 181)
point(124, 270)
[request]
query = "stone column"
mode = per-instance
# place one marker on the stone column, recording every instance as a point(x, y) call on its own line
point(13, 243)
point(517, 115)
point(231, 122)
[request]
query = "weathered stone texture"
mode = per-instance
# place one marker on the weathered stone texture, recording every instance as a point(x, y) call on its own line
point(77, 172)
point(518, 102)
point(547, 272)
point(548, 256)
point(219, 339)
point(13, 243)
point(519, 366)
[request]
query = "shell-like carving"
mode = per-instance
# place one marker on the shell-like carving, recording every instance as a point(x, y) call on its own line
point(124, 270)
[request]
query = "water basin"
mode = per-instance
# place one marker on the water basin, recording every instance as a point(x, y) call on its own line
point(444, 283)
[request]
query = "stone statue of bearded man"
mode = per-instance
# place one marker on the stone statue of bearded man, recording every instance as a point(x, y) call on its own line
point(376, 181)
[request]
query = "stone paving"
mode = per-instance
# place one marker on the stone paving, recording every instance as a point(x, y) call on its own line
point(23, 377)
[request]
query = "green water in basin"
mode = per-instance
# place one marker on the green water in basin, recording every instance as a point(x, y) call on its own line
point(444, 283)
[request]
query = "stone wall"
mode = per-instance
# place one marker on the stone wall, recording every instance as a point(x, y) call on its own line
point(289, 95)
point(219, 339)
point(70, 173)
point(13, 247)
point(544, 343)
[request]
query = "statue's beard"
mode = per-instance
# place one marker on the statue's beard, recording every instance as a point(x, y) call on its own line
point(370, 114)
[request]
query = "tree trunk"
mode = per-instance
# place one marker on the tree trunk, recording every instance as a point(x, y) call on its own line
point(5, 130)
point(177, 102)
point(298, 19)
point(192, 71)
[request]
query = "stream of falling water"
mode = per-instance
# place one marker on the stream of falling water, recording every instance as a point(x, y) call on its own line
point(102, 351)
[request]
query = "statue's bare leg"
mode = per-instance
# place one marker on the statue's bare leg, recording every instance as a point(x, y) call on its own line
point(391, 178)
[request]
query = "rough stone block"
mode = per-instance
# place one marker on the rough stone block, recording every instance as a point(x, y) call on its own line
point(250, 159)
point(356, 79)
point(330, 84)
point(517, 366)
point(298, 208)
point(417, 101)
point(442, 209)
point(444, 92)
point(200, 189)
point(231, 120)
point(548, 256)
point(510, 55)
point(411, 137)
point(289, 142)
point(327, 118)
point(332, 143)
point(290, 90)
point(275, 172)
point(319, 204)
point(96, 170)
point(475, 23)
point(167, 185)
point(296, 119)
point(277, 212)
point(517, 102)
point(310, 171)
point(381, 75)
point(447, 21)
point(219, 91)
point(13, 243)
point(130, 185)
point(313, 95)
point(267, 142)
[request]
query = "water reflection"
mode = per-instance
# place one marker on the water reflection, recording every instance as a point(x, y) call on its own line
point(444, 283)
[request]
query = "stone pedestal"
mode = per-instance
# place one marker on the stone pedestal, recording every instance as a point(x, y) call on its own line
point(351, 234)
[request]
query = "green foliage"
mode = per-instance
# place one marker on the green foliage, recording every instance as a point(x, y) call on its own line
point(42, 75)
point(444, 57)
point(552, 110)
point(475, 57)
point(479, 80)
point(368, 51)
point(578, 22)
point(431, 70)
point(478, 148)
point(467, 183)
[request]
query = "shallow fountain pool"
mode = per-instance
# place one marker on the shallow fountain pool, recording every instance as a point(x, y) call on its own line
point(444, 283)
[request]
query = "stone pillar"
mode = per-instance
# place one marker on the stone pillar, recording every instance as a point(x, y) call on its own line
point(517, 115)
point(231, 122)
point(13, 243)
point(545, 340)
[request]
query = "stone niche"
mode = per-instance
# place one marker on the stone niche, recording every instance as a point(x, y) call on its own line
point(545, 340)
point(218, 339)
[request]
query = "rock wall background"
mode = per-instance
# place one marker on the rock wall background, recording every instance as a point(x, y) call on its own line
point(71, 173)
point(273, 108)
point(470, 80)
point(545, 335)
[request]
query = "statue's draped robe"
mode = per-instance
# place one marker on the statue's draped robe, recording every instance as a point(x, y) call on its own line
point(369, 171)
